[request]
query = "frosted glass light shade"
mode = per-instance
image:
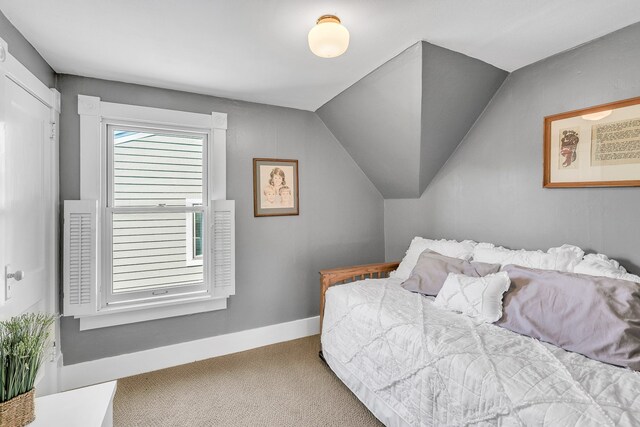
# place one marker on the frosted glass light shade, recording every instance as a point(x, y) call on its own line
point(329, 38)
point(597, 116)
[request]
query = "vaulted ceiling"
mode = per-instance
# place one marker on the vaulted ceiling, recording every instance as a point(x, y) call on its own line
point(417, 74)
point(257, 50)
point(401, 122)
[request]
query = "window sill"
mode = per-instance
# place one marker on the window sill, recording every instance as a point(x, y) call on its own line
point(121, 316)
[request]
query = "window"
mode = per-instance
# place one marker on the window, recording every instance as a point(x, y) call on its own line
point(197, 236)
point(194, 234)
point(153, 192)
point(156, 188)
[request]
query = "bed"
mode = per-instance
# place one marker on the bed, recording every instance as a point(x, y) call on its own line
point(414, 364)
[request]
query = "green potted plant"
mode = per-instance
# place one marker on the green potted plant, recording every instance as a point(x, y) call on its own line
point(23, 341)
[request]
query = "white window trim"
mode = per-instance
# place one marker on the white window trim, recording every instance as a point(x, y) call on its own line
point(94, 113)
point(159, 311)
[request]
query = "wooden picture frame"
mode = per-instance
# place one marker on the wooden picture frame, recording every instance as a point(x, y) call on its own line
point(593, 147)
point(275, 187)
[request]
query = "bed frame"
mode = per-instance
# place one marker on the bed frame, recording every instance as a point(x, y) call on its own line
point(336, 276)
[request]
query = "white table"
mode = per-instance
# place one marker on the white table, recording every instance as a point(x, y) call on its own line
point(83, 407)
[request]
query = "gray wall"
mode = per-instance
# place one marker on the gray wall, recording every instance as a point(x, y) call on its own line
point(24, 52)
point(378, 121)
point(402, 121)
point(491, 187)
point(277, 259)
point(455, 90)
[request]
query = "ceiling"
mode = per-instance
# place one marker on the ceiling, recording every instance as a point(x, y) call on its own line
point(256, 50)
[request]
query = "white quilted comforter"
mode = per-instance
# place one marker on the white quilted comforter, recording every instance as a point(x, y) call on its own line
point(433, 367)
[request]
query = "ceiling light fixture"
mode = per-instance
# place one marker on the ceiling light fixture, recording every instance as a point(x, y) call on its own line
point(329, 38)
point(598, 115)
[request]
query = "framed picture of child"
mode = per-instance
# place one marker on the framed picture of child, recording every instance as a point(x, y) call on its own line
point(275, 187)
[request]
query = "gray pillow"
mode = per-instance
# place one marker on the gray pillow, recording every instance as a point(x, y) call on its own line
point(598, 317)
point(432, 270)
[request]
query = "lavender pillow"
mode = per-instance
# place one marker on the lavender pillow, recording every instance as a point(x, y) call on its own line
point(432, 270)
point(598, 317)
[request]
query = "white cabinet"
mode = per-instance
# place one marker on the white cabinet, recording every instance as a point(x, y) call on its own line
point(83, 407)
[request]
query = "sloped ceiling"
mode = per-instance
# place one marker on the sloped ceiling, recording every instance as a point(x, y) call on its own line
point(401, 122)
point(378, 121)
point(257, 50)
point(455, 91)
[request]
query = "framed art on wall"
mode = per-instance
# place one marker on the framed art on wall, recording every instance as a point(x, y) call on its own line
point(275, 187)
point(593, 147)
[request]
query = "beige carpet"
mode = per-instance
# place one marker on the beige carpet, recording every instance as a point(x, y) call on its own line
point(279, 385)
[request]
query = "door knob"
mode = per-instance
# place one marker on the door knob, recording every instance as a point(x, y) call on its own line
point(17, 276)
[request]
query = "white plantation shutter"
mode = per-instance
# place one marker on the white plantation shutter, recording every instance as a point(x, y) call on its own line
point(80, 272)
point(223, 247)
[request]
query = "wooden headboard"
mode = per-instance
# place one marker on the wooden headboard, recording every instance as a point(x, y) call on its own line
point(343, 275)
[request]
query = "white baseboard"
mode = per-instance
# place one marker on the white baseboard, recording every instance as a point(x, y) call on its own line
point(125, 365)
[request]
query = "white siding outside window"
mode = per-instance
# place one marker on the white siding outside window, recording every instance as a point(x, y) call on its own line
point(153, 170)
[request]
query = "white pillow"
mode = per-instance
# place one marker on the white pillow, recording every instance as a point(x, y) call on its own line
point(564, 258)
point(602, 265)
point(450, 248)
point(477, 297)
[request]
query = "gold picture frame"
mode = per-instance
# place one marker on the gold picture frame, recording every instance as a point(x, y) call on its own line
point(593, 147)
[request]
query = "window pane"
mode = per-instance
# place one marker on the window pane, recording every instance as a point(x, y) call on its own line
point(197, 234)
point(152, 169)
point(150, 251)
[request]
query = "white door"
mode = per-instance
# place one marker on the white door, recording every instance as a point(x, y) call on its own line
point(28, 202)
point(24, 197)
